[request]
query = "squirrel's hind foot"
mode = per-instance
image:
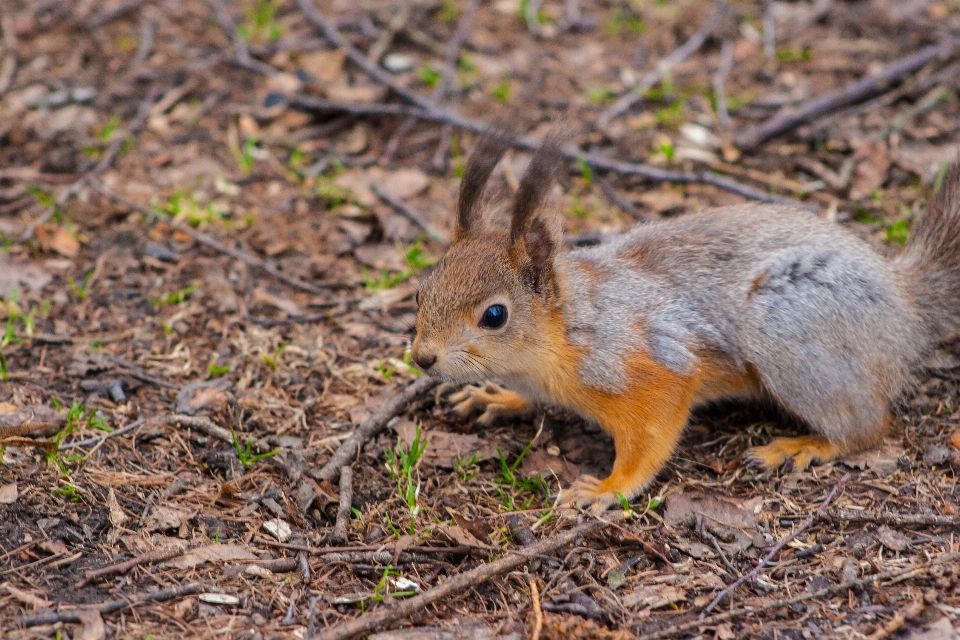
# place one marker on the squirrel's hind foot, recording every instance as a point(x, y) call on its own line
point(492, 399)
point(798, 452)
point(589, 492)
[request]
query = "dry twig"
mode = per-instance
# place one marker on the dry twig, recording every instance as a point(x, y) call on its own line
point(777, 547)
point(116, 145)
point(242, 51)
point(650, 80)
point(890, 518)
point(374, 425)
point(29, 419)
point(346, 503)
point(820, 594)
point(98, 439)
point(159, 555)
point(9, 68)
point(213, 243)
point(719, 82)
point(385, 617)
point(203, 425)
point(410, 214)
point(852, 93)
point(113, 606)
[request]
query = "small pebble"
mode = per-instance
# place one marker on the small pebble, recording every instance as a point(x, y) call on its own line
point(397, 62)
point(58, 99)
point(83, 94)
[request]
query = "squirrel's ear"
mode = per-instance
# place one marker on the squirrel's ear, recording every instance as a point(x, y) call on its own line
point(483, 159)
point(540, 231)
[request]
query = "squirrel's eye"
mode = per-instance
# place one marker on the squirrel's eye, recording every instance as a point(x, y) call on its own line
point(494, 317)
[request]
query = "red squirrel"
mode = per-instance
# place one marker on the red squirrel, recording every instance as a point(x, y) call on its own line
point(747, 301)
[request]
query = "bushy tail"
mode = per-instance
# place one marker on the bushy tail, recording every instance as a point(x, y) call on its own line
point(931, 260)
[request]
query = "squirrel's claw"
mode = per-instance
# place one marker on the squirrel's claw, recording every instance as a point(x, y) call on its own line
point(588, 492)
point(492, 399)
point(798, 453)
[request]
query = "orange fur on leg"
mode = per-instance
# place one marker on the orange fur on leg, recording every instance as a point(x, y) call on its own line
point(800, 452)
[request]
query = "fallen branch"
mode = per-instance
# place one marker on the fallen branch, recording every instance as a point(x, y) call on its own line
point(136, 372)
point(240, 47)
point(29, 419)
point(777, 547)
point(719, 82)
point(429, 111)
point(437, 114)
point(653, 77)
point(373, 426)
point(116, 145)
point(113, 606)
point(384, 617)
point(459, 550)
point(101, 438)
point(9, 68)
point(151, 557)
point(852, 93)
point(203, 425)
point(820, 594)
point(410, 214)
point(213, 243)
point(346, 502)
point(891, 518)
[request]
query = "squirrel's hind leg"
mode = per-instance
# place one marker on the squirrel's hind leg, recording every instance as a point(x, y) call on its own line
point(801, 451)
point(492, 399)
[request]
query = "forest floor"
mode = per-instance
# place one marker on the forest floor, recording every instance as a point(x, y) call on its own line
point(214, 216)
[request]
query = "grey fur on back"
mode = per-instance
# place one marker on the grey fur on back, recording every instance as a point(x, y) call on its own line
point(825, 321)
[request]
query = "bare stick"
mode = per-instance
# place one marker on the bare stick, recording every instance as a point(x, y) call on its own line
point(410, 214)
point(614, 196)
point(384, 617)
point(356, 56)
point(114, 605)
point(537, 611)
point(777, 547)
point(159, 555)
point(769, 31)
point(346, 502)
point(243, 57)
point(99, 439)
point(852, 93)
point(720, 81)
point(9, 69)
point(148, 32)
point(663, 67)
point(213, 243)
point(29, 419)
point(438, 114)
point(891, 518)
point(820, 594)
point(459, 550)
point(374, 425)
point(116, 144)
point(203, 425)
point(110, 15)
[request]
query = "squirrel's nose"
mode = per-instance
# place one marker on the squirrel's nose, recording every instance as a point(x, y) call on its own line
point(425, 360)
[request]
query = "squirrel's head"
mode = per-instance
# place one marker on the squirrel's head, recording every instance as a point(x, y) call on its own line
point(483, 309)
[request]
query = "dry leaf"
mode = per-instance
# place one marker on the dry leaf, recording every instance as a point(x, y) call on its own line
point(460, 535)
point(9, 493)
point(443, 449)
point(401, 184)
point(326, 66)
point(942, 629)
point(116, 514)
point(893, 540)
point(654, 596)
point(27, 598)
point(211, 553)
point(882, 460)
point(20, 275)
point(93, 628)
point(954, 440)
point(367, 94)
point(873, 162)
point(165, 518)
point(54, 547)
point(54, 238)
point(543, 464)
point(924, 159)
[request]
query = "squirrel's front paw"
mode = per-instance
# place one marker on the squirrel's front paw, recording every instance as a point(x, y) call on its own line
point(588, 491)
point(492, 399)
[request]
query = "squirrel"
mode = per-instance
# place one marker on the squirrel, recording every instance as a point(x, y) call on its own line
point(747, 301)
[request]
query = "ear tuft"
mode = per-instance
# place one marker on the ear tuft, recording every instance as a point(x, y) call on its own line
point(536, 182)
point(484, 158)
